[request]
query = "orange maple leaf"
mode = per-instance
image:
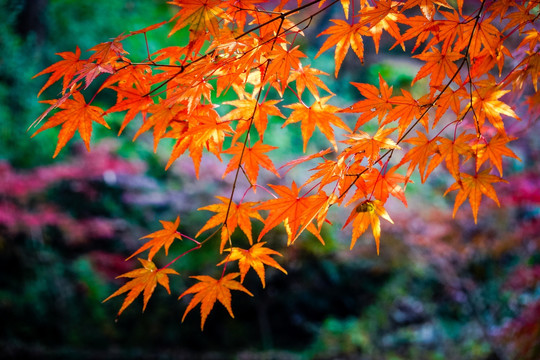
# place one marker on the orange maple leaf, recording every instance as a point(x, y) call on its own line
point(250, 108)
point(438, 66)
point(75, 115)
point(365, 214)
point(478, 36)
point(377, 103)
point(66, 68)
point(239, 215)
point(344, 36)
point(406, 109)
point(427, 6)
point(144, 279)
point(255, 257)
point(281, 64)
point(108, 51)
point(161, 238)
point(362, 144)
point(135, 100)
point(251, 158)
point(420, 29)
point(162, 116)
point(472, 187)
point(307, 76)
point(424, 155)
point(486, 105)
point(383, 16)
point(382, 184)
point(319, 114)
point(200, 15)
point(494, 150)
point(295, 211)
point(449, 99)
point(208, 290)
point(451, 150)
point(205, 130)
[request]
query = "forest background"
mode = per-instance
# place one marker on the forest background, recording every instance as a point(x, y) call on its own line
point(441, 288)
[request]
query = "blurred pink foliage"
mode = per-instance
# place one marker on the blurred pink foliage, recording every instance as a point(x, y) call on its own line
point(24, 206)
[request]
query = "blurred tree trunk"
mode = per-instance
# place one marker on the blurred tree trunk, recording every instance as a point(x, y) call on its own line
point(31, 20)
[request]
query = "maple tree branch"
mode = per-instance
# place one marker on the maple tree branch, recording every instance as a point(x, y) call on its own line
point(183, 254)
point(281, 16)
point(471, 107)
point(188, 237)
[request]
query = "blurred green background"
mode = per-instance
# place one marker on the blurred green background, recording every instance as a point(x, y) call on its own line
point(441, 289)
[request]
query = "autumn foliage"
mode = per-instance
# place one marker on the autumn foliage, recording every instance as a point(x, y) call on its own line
point(479, 62)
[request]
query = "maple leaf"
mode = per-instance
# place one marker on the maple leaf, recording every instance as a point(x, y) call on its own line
point(208, 290)
point(282, 62)
point(406, 109)
point(427, 6)
point(134, 100)
point(486, 104)
point(449, 99)
point(239, 215)
point(91, 71)
point(307, 76)
point(377, 103)
point(494, 150)
point(419, 155)
point(66, 68)
point(472, 187)
point(420, 29)
point(205, 130)
point(478, 36)
point(250, 108)
point(236, 10)
point(365, 214)
point(75, 115)
point(251, 157)
point(363, 144)
point(452, 149)
point(532, 38)
point(161, 238)
point(107, 52)
point(383, 16)
point(319, 114)
point(330, 171)
point(200, 15)
point(255, 257)
point(162, 116)
point(294, 210)
point(344, 36)
point(438, 65)
point(382, 184)
point(144, 279)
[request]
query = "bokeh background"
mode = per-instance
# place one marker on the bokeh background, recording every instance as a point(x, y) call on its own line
point(442, 288)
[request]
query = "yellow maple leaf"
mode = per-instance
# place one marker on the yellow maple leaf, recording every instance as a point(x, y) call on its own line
point(255, 257)
point(161, 238)
point(238, 215)
point(365, 214)
point(486, 105)
point(472, 187)
point(144, 279)
point(208, 290)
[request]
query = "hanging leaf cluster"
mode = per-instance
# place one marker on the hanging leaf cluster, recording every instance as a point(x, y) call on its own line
point(478, 62)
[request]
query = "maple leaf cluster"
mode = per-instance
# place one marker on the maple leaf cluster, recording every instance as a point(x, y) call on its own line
point(481, 59)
